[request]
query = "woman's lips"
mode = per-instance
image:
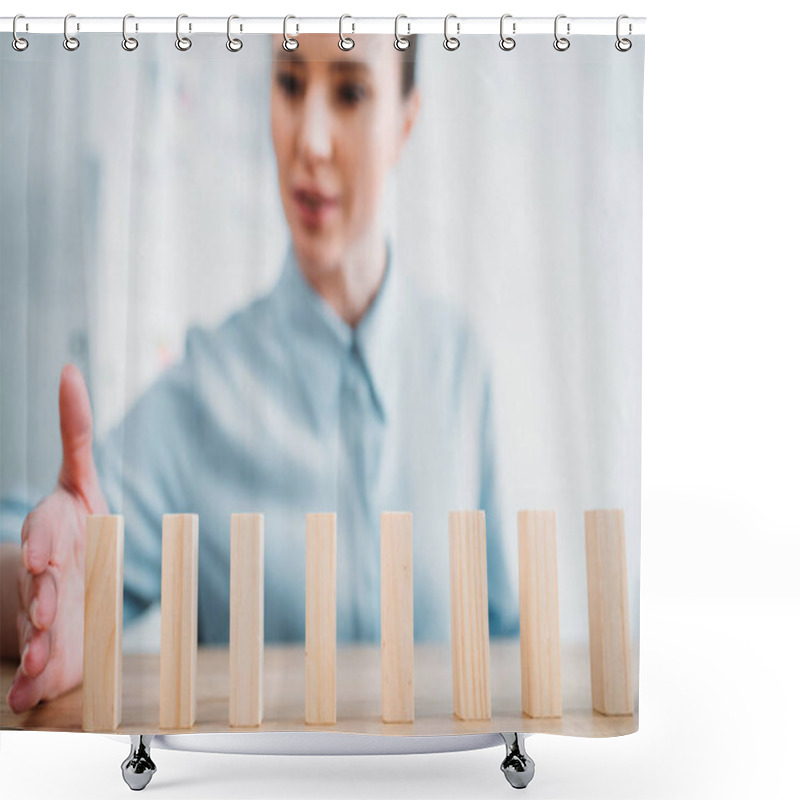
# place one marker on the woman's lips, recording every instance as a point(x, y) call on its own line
point(315, 207)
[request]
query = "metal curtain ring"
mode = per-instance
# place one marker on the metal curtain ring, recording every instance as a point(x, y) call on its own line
point(182, 42)
point(18, 43)
point(623, 45)
point(561, 43)
point(70, 42)
point(234, 45)
point(129, 43)
point(507, 42)
point(289, 42)
point(400, 42)
point(345, 42)
point(451, 42)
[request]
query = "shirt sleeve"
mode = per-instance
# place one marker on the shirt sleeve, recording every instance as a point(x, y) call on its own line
point(143, 465)
point(503, 605)
point(142, 468)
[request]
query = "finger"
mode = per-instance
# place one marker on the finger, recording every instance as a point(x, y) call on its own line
point(25, 633)
point(24, 581)
point(42, 600)
point(36, 654)
point(25, 629)
point(75, 413)
point(37, 538)
point(25, 692)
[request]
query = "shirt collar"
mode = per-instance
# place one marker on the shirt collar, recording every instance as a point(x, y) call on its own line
point(319, 338)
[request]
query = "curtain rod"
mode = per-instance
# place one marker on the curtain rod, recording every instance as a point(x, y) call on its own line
point(460, 26)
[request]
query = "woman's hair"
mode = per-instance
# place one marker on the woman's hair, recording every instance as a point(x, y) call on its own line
point(409, 63)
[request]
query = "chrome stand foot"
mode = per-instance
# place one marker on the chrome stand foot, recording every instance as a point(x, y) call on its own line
point(517, 766)
point(138, 768)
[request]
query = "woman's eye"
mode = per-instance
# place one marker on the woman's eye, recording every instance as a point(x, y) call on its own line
point(351, 93)
point(289, 84)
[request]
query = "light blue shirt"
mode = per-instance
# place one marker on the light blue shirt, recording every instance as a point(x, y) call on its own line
point(285, 409)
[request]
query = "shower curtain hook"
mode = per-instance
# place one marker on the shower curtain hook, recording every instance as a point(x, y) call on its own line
point(561, 43)
point(507, 42)
point(290, 44)
point(18, 43)
point(623, 45)
point(183, 43)
point(70, 42)
point(345, 42)
point(129, 43)
point(451, 42)
point(234, 45)
point(400, 42)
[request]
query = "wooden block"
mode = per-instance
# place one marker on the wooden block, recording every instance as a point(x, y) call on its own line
point(320, 619)
point(397, 617)
point(178, 670)
point(609, 618)
point(247, 620)
point(469, 613)
point(540, 646)
point(102, 628)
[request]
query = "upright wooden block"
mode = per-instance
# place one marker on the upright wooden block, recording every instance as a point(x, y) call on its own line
point(178, 669)
point(102, 628)
point(320, 619)
point(469, 612)
point(397, 617)
point(247, 620)
point(540, 646)
point(609, 618)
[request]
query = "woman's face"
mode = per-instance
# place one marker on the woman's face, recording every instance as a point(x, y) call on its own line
point(339, 123)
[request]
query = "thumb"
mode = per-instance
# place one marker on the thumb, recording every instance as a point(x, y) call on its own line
point(78, 473)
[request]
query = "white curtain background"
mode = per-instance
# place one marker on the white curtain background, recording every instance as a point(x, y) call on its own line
point(520, 188)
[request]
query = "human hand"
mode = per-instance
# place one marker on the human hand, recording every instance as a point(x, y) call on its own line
point(51, 575)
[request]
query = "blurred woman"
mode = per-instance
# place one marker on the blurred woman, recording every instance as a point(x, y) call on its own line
point(344, 389)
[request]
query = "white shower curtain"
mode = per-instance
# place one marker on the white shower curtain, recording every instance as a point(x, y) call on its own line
point(140, 201)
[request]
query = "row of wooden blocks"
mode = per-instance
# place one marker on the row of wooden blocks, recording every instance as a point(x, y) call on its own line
point(609, 625)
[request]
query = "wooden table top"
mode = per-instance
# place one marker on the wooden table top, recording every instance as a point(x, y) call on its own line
point(358, 696)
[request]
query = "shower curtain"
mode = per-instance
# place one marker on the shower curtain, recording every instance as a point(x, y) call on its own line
point(321, 384)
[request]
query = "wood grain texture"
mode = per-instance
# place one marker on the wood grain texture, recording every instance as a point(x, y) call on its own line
point(102, 622)
point(247, 620)
point(178, 673)
point(609, 617)
point(540, 648)
point(320, 653)
point(397, 617)
point(469, 612)
point(359, 695)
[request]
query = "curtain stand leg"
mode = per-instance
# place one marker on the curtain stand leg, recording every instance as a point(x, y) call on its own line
point(517, 766)
point(138, 768)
